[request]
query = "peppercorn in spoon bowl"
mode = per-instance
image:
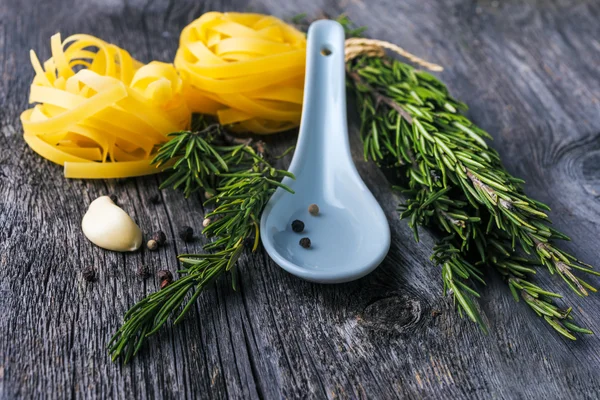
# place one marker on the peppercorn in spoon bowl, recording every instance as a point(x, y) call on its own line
point(349, 236)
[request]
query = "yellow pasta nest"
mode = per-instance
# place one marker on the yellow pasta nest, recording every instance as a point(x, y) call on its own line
point(246, 68)
point(99, 112)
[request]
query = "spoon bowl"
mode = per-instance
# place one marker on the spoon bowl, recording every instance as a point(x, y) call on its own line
point(350, 236)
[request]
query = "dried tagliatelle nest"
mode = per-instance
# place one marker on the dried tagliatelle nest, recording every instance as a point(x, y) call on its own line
point(248, 69)
point(98, 111)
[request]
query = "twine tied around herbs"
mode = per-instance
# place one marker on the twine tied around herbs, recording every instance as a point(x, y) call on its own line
point(376, 48)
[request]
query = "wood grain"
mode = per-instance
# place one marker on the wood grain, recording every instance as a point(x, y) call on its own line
point(529, 71)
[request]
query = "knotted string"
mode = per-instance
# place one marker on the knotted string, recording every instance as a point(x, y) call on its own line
point(356, 47)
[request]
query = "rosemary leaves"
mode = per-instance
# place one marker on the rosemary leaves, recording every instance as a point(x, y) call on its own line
point(455, 182)
point(242, 181)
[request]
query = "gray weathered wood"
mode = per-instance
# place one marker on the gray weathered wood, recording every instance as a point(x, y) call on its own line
point(529, 71)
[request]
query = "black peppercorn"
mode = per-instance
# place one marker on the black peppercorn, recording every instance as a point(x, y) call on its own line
point(154, 199)
point(89, 274)
point(164, 274)
point(297, 226)
point(249, 242)
point(160, 237)
point(186, 233)
point(152, 245)
point(305, 242)
point(165, 277)
point(143, 272)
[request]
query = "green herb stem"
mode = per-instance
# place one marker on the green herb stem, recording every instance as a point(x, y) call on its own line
point(242, 182)
point(455, 182)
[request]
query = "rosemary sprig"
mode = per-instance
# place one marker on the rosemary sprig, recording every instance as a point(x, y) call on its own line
point(455, 182)
point(202, 155)
point(197, 160)
point(243, 181)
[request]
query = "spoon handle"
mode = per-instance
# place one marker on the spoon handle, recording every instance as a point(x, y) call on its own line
point(323, 129)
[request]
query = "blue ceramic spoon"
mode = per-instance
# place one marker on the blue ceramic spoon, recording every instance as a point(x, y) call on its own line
point(350, 236)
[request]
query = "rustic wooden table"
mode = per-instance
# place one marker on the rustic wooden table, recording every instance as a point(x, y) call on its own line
point(529, 71)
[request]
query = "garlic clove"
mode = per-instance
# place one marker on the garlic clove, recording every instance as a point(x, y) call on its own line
point(106, 225)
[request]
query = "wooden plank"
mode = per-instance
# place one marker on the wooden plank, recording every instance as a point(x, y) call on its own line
point(528, 69)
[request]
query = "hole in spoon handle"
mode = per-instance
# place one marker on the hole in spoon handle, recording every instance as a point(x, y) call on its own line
point(325, 51)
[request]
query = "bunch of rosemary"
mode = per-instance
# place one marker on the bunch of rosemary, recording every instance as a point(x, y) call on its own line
point(241, 181)
point(454, 182)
